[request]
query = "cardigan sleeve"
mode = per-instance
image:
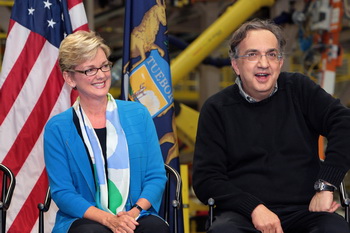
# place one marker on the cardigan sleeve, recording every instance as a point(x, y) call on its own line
point(154, 180)
point(67, 185)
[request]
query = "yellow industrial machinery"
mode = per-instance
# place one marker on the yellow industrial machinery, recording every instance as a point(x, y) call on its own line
point(6, 3)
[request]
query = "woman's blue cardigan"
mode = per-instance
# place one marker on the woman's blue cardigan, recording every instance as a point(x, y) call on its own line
point(69, 170)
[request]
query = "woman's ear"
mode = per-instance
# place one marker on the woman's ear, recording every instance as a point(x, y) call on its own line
point(68, 78)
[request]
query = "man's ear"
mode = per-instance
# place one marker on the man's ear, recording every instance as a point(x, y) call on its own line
point(69, 79)
point(281, 63)
point(235, 66)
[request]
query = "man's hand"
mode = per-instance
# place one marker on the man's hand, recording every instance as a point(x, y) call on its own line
point(323, 202)
point(265, 220)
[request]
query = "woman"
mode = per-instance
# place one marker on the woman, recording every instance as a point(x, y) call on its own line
point(102, 156)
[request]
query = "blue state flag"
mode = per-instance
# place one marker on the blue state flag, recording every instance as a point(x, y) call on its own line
point(146, 71)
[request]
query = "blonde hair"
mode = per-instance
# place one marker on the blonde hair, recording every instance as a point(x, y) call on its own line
point(79, 47)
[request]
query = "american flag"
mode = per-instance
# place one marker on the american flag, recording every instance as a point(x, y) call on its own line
point(31, 91)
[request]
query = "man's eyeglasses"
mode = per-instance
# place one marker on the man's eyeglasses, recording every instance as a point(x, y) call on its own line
point(256, 56)
point(93, 71)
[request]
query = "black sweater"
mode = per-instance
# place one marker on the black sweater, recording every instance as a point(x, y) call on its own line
point(267, 152)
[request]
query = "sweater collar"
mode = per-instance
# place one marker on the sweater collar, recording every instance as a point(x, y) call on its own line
point(248, 97)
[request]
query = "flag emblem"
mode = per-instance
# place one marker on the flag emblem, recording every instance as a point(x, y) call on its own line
point(149, 84)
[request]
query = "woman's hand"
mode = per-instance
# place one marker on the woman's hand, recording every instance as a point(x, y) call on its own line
point(121, 223)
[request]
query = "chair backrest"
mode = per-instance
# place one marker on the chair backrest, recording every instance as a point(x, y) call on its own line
point(8, 186)
point(175, 198)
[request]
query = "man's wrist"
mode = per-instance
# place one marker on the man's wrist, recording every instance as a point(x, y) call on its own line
point(321, 185)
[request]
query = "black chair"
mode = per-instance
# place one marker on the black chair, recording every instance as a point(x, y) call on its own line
point(174, 183)
point(344, 200)
point(8, 186)
point(171, 174)
point(44, 207)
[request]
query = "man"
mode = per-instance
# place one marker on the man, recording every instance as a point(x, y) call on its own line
point(257, 144)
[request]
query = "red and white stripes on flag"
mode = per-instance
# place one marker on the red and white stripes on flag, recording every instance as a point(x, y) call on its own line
point(31, 91)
